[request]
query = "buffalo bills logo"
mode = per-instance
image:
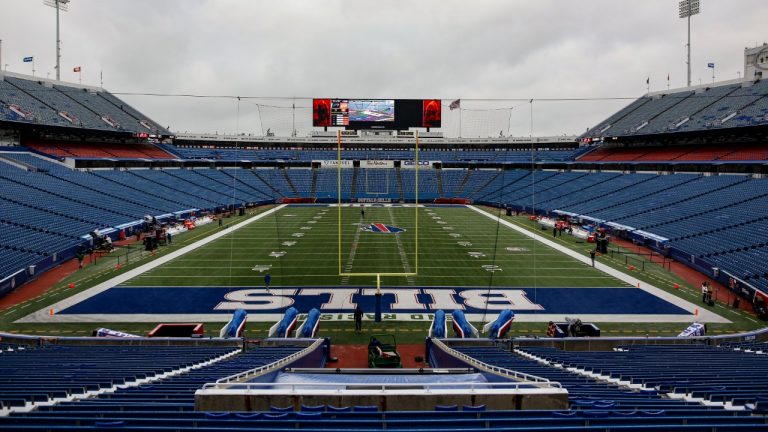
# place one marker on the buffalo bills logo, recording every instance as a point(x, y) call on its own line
point(378, 227)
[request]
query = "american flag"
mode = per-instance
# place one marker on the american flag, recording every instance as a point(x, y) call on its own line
point(455, 104)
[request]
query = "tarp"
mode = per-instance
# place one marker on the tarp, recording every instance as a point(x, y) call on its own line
point(334, 380)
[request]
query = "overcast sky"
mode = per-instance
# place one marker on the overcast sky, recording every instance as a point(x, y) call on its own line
point(381, 49)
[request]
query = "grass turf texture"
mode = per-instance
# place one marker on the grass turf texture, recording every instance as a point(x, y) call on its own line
point(314, 260)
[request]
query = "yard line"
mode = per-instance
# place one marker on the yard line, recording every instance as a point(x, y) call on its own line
point(42, 315)
point(352, 253)
point(692, 308)
point(401, 250)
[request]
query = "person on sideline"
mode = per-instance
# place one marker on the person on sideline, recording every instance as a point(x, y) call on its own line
point(551, 330)
point(358, 319)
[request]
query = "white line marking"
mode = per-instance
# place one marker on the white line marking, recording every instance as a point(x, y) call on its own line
point(43, 316)
point(703, 316)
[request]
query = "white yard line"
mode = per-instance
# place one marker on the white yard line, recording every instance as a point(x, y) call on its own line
point(401, 250)
point(703, 314)
point(352, 253)
point(43, 314)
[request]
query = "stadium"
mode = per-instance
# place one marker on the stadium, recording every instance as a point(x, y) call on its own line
point(374, 262)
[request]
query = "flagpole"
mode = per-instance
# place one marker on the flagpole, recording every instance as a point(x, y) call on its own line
point(459, 120)
point(80, 76)
point(33, 66)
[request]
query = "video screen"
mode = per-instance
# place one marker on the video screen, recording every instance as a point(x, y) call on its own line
point(432, 113)
point(358, 114)
point(321, 112)
point(372, 110)
point(339, 112)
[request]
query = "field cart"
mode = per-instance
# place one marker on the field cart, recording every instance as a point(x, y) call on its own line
point(382, 352)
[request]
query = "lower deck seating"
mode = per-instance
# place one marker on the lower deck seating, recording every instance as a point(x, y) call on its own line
point(168, 403)
point(61, 371)
point(74, 370)
point(711, 374)
point(424, 421)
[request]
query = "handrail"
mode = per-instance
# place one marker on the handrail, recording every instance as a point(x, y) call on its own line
point(257, 370)
point(281, 387)
point(496, 369)
point(12, 275)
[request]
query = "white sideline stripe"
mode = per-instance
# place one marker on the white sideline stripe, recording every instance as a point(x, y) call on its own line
point(43, 316)
point(704, 315)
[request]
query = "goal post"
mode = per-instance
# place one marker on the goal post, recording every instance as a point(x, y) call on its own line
point(339, 206)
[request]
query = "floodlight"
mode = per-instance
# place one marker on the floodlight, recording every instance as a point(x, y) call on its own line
point(688, 8)
point(59, 5)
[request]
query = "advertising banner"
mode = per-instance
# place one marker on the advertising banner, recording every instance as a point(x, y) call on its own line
point(333, 163)
point(377, 164)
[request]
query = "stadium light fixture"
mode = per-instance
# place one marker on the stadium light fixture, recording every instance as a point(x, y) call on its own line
point(59, 5)
point(688, 8)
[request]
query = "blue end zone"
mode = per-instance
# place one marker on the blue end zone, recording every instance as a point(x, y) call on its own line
point(223, 300)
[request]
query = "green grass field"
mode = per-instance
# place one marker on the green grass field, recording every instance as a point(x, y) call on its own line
point(313, 259)
point(454, 244)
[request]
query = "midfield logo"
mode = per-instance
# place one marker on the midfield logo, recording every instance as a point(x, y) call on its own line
point(378, 227)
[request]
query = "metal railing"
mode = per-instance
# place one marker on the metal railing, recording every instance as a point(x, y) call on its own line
point(373, 387)
point(527, 378)
point(237, 378)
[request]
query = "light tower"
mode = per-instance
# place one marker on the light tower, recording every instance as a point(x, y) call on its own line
point(59, 5)
point(688, 8)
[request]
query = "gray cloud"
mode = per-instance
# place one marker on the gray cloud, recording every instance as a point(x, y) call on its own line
point(398, 49)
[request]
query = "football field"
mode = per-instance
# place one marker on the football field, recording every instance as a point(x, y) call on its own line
point(327, 257)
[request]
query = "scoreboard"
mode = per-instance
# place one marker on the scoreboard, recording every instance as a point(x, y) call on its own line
point(388, 114)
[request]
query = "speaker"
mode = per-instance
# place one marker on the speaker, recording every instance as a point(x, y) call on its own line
point(241, 211)
point(509, 211)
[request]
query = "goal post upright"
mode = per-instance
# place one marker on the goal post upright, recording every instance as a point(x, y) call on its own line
point(338, 189)
point(416, 204)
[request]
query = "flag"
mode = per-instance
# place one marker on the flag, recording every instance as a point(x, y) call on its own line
point(455, 104)
point(648, 80)
point(667, 77)
point(77, 69)
point(28, 59)
point(711, 65)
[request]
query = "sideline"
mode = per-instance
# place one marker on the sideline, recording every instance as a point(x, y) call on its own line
point(703, 316)
point(43, 315)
